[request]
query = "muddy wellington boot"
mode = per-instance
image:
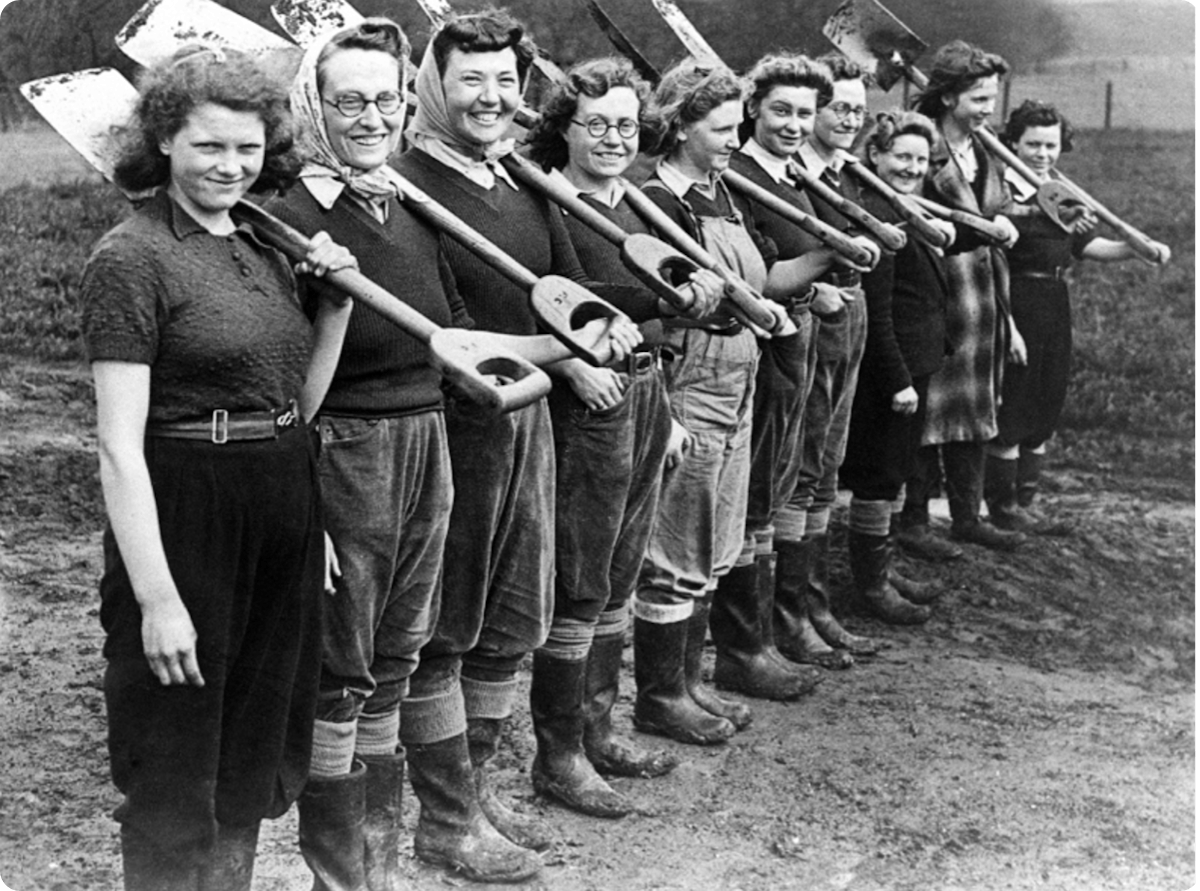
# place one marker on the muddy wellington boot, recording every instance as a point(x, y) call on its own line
point(483, 742)
point(561, 770)
point(332, 810)
point(382, 823)
point(663, 705)
point(767, 570)
point(869, 559)
point(452, 831)
point(737, 713)
point(795, 631)
point(146, 867)
point(230, 867)
point(608, 752)
point(1029, 473)
point(964, 464)
point(743, 662)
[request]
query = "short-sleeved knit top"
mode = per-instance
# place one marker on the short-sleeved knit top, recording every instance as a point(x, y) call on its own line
point(215, 317)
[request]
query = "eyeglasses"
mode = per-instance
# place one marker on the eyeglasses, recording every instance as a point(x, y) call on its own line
point(598, 128)
point(843, 110)
point(351, 105)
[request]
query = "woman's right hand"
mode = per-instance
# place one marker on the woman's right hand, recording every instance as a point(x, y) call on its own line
point(677, 444)
point(169, 641)
point(905, 401)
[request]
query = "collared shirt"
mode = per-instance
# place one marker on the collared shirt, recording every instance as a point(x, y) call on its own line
point(610, 196)
point(483, 173)
point(326, 190)
point(1022, 189)
point(817, 164)
point(965, 157)
point(679, 182)
point(775, 166)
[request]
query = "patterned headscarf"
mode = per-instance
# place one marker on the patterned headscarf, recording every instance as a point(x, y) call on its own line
point(321, 161)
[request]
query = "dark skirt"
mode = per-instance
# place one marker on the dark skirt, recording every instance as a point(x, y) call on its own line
point(241, 528)
point(1034, 394)
point(881, 451)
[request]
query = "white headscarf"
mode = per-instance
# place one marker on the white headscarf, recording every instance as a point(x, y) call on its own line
point(321, 162)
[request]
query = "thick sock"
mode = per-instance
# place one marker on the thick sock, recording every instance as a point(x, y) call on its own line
point(870, 517)
point(378, 734)
point(569, 640)
point(489, 699)
point(431, 719)
point(333, 748)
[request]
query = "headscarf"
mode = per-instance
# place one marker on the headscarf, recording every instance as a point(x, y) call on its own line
point(321, 161)
point(432, 120)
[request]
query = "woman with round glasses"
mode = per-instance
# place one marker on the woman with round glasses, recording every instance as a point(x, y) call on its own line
point(385, 471)
point(207, 372)
point(612, 433)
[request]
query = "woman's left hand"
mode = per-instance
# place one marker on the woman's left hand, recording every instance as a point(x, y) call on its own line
point(707, 289)
point(1017, 353)
point(905, 402)
point(325, 255)
point(623, 336)
point(597, 388)
point(868, 245)
point(1010, 231)
point(333, 567)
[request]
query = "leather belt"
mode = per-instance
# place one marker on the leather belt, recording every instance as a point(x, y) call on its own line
point(722, 328)
point(224, 426)
point(642, 362)
point(849, 278)
point(1057, 274)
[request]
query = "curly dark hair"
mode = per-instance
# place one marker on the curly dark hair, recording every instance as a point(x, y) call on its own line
point(376, 34)
point(594, 78)
point(956, 67)
point(685, 95)
point(784, 70)
point(194, 76)
point(888, 126)
point(488, 31)
point(1032, 113)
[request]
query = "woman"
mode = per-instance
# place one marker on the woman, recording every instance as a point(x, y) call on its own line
point(385, 468)
point(906, 297)
point(206, 374)
point(612, 430)
point(701, 532)
point(962, 398)
point(1034, 393)
point(496, 595)
point(788, 93)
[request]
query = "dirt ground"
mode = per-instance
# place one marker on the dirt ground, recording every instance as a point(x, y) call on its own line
point(1038, 733)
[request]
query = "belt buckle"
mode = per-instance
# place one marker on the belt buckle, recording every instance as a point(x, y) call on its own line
point(289, 416)
point(638, 362)
point(220, 426)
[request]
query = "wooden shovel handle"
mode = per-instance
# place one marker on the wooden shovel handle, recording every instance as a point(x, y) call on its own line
point(887, 235)
point(915, 219)
point(982, 225)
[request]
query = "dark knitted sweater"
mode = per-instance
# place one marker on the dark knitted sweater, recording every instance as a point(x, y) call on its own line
point(790, 240)
point(601, 259)
point(383, 371)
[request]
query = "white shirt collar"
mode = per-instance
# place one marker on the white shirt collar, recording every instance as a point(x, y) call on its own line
point(775, 166)
point(610, 196)
point(479, 172)
point(1021, 188)
point(817, 164)
point(326, 190)
point(679, 182)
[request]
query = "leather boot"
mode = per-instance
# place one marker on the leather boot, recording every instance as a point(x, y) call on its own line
point(1029, 472)
point(663, 705)
point(146, 867)
point(561, 770)
point(483, 741)
point(452, 831)
point(743, 663)
point(230, 867)
point(382, 824)
point(331, 830)
point(609, 753)
point(869, 558)
point(819, 602)
point(795, 635)
point(737, 713)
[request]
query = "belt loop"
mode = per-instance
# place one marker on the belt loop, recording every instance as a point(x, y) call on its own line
point(220, 426)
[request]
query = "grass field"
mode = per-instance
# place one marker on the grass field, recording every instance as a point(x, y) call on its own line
point(1132, 405)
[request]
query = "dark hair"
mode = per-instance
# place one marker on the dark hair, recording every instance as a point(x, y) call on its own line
point(784, 70)
point(888, 126)
point(1032, 113)
point(195, 76)
point(842, 68)
point(956, 67)
point(489, 31)
point(594, 78)
point(376, 34)
point(685, 95)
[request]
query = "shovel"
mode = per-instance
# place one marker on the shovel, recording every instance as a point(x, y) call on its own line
point(560, 304)
point(870, 35)
point(90, 108)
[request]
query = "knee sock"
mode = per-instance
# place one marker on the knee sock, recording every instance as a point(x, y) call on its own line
point(333, 748)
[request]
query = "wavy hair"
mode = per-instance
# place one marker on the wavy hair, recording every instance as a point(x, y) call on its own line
point(888, 126)
point(956, 67)
point(194, 76)
point(488, 31)
point(594, 78)
point(685, 95)
point(1032, 113)
point(784, 70)
point(375, 34)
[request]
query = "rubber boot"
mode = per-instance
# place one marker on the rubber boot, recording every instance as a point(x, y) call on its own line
point(819, 602)
point(737, 713)
point(230, 867)
point(483, 741)
point(1029, 472)
point(795, 635)
point(609, 753)
point(918, 540)
point(382, 824)
point(922, 593)
point(767, 569)
point(663, 705)
point(331, 830)
point(1000, 493)
point(146, 867)
point(452, 831)
point(743, 663)
point(561, 770)
point(964, 463)
point(869, 558)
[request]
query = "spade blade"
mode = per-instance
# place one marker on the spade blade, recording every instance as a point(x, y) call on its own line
point(874, 38)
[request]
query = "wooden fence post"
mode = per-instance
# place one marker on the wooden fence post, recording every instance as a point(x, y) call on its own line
point(1108, 105)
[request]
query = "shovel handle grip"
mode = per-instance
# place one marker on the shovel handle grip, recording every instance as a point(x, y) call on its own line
point(887, 235)
point(982, 225)
point(915, 219)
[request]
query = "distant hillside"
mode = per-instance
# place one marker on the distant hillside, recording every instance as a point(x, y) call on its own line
point(1108, 30)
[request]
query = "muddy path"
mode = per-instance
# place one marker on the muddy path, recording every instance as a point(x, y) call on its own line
point(1037, 733)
